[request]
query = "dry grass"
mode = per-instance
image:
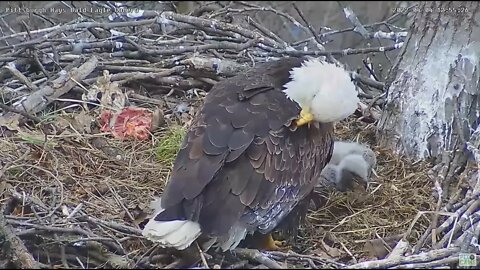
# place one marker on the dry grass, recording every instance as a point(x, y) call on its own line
point(110, 180)
point(116, 181)
point(360, 223)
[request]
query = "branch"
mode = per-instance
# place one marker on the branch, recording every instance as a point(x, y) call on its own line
point(253, 7)
point(368, 81)
point(23, 79)
point(37, 101)
point(281, 256)
point(200, 48)
point(312, 31)
point(218, 66)
point(359, 28)
point(23, 113)
point(344, 52)
point(75, 26)
point(396, 261)
point(267, 32)
point(257, 256)
point(214, 24)
point(14, 248)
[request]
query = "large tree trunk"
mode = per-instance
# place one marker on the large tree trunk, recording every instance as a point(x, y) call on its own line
point(433, 112)
point(433, 101)
point(433, 98)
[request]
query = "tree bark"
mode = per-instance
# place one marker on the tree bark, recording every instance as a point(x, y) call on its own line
point(433, 90)
point(433, 112)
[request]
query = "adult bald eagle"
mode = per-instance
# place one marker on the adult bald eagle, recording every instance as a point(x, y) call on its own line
point(254, 151)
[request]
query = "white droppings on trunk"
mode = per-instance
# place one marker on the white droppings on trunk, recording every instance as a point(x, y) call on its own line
point(423, 97)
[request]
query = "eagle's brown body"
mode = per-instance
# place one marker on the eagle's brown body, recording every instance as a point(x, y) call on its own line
point(244, 161)
point(254, 152)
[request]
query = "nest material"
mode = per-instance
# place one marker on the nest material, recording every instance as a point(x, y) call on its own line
point(108, 183)
point(74, 197)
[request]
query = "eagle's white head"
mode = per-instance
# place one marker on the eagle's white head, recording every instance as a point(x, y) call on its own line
point(324, 91)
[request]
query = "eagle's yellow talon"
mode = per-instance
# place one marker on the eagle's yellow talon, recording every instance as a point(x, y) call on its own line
point(270, 244)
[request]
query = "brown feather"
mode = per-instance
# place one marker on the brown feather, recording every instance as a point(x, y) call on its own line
point(252, 189)
point(242, 159)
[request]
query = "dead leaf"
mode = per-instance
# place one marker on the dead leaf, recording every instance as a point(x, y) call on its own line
point(376, 247)
point(82, 122)
point(61, 123)
point(138, 215)
point(103, 145)
point(10, 121)
point(158, 119)
point(111, 94)
point(331, 251)
point(394, 188)
point(322, 254)
point(4, 185)
point(100, 189)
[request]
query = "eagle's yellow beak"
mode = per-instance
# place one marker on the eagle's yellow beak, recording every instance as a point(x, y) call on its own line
point(305, 117)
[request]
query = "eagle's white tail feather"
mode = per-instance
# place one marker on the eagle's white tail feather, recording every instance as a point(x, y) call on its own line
point(178, 234)
point(156, 205)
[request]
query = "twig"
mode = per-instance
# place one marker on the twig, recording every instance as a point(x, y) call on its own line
point(217, 66)
point(458, 226)
point(131, 68)
point(14, 247)
point(202, 256)
point(368, 65)
point(253, 7)
point(40, 99)
point(21, 77)
point(267, 32)
point(278, 255)
point(214, 24)
point(23, 113)
point(359, 28)
point(110, 224)
point(395, 36)
point(309, 26)
point(368, 81)
point(395, 261)
point(344, 52)
point(75, 26)
point(257, 256)
point(132, 219)
point(139, 97)
point(399, 250)
point(368, 111)
point(200, 48)
point(47, 228)
point(428, 265)
point(51, 229)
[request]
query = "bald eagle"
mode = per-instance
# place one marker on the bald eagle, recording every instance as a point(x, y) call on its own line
point(253, 152)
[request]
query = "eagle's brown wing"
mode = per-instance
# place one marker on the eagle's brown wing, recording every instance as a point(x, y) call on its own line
point(242, 160)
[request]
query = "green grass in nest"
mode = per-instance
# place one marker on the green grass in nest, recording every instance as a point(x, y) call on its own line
point(168, 144)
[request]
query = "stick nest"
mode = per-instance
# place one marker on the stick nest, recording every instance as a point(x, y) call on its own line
point(73, 196)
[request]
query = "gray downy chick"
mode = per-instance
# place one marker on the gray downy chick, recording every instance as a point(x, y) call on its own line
point(341, 149)
point(350, 162)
